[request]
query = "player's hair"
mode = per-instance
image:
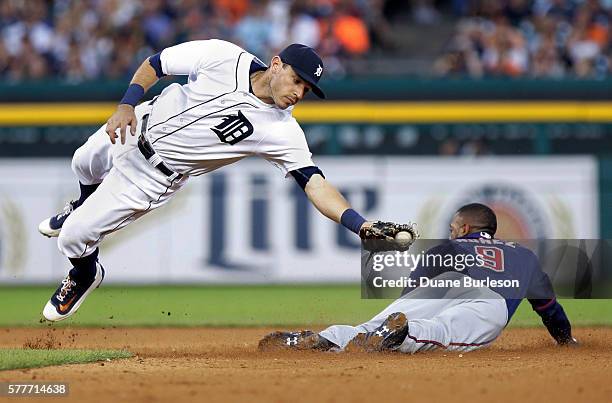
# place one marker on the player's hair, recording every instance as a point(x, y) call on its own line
point(479, 217)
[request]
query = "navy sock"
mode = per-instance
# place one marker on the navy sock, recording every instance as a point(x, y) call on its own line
point(86, 191)
point(84, 268)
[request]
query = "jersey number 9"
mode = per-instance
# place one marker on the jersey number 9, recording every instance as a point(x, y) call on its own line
point(492, 257)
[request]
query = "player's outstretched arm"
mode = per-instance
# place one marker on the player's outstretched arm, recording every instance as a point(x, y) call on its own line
point(330, 202)
point(144, 78)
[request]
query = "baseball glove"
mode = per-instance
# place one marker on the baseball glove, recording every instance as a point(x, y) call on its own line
point(387, 231)
point(383, 236)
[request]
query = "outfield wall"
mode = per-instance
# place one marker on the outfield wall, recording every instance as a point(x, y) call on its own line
point(248, 224)
point(351, 88)
point(358, 127)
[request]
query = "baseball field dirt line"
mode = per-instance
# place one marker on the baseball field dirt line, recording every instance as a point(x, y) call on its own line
point(223, 365)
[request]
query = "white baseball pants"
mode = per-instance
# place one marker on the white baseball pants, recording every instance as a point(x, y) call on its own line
point(130, 188)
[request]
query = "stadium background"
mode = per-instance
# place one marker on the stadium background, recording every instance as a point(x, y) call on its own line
point(431, 104)
point(509, 103)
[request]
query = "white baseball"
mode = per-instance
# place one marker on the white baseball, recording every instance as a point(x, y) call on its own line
point(403, 238)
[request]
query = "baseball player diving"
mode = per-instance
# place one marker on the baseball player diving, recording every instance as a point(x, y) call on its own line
point(233, 106)
point(452, 318)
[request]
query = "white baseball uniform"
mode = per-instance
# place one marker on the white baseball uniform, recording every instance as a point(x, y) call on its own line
point(212, 121)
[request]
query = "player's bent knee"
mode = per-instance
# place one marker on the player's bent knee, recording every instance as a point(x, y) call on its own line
point(92, 161)
point(74, 239)
point(81, 163)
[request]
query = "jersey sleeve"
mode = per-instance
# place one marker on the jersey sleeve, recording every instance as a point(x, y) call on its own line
point(286, 149)
point(183, 58)
point(540, 286)
point(554, 318)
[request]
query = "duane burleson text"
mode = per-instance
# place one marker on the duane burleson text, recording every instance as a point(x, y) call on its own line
point(403, 282)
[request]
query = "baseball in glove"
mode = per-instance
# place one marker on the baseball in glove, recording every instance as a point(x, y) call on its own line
point(388, 236)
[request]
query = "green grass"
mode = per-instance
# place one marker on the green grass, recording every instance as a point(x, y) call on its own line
point(29, 358)
point(281, 305)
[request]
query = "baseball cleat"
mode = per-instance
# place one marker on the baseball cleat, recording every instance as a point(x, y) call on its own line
point(70, 295)
point(304, 340)
point(51, 227)
point(386, 337)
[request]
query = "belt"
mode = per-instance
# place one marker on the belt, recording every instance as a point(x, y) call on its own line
point(146, 149)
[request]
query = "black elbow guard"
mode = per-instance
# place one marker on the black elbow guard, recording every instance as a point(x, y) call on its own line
point(303, 175)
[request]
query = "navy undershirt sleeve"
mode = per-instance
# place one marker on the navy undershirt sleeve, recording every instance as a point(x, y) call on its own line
point(155, 62)
point(303, 175)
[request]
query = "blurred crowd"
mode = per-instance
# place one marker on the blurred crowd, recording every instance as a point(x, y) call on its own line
point(88, 39)
point(79, 40)
point(538, 38)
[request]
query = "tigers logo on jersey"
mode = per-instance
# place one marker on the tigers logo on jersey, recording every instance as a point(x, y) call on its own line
point(233, 128)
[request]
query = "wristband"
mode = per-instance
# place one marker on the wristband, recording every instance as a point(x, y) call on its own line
point(132, 95)
point(352, 220)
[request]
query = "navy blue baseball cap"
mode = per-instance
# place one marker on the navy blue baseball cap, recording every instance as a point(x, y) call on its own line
point(306, 63)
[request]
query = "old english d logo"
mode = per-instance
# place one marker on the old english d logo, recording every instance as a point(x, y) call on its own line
point(233, 129)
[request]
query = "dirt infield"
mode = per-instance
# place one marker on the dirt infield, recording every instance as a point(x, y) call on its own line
point(222, 365)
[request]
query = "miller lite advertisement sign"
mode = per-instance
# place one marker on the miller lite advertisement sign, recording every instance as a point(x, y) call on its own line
point(246, 223)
